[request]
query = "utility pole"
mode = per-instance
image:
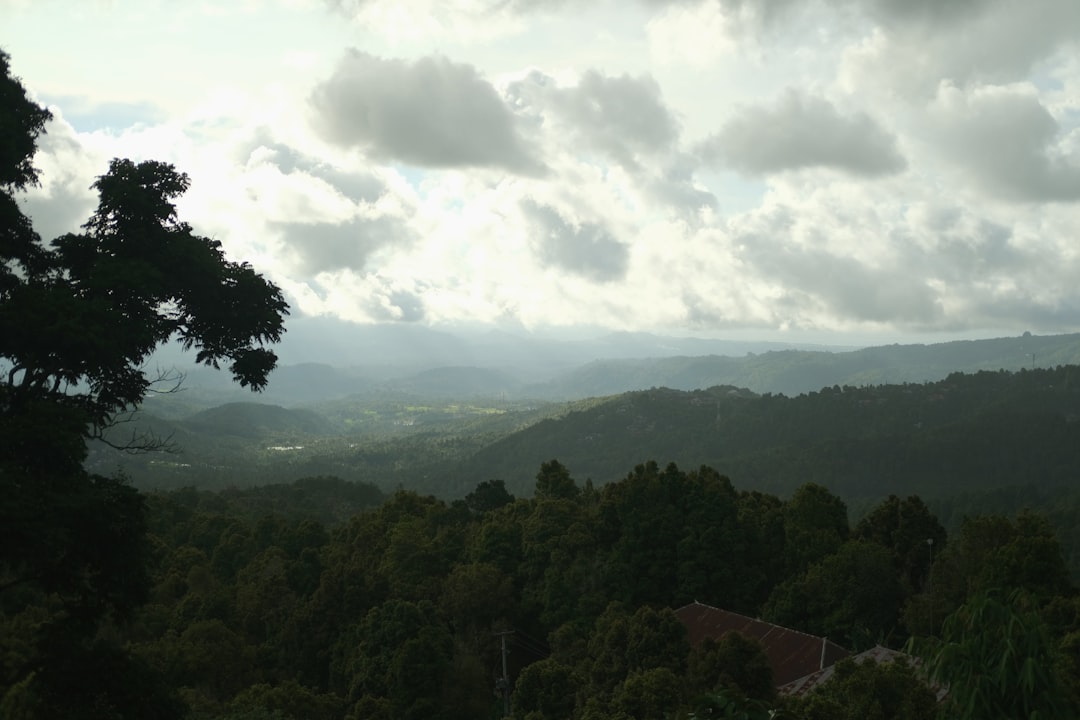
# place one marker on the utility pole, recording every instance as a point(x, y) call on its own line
point(503, 684)
point(930, 581)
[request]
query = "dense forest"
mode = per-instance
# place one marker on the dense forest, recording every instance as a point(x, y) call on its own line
point(327, 599)
point(980, 443)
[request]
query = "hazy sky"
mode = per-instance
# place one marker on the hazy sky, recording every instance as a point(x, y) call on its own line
point(885, 168)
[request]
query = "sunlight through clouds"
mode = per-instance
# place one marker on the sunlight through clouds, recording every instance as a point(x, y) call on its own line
point(682, 166)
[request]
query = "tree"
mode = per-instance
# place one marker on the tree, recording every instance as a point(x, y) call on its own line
point(554, 481)
point(733, 662)
point(79, 327)
point(545, 690)
point(997, 658)
point(910, 531)
point(869, 691)
point(852, 596)
point(79, 318)
point(815, 525)
point(622, 643)
point(488, 495)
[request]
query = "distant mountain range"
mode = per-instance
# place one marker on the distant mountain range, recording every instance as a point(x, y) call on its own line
point(557, 371)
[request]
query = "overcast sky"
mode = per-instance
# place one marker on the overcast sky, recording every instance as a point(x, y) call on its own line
point(882, 169)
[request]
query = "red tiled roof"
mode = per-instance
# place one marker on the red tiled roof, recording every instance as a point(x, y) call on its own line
point(791, 653)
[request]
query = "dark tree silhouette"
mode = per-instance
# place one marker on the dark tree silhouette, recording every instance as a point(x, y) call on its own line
point(79, 318)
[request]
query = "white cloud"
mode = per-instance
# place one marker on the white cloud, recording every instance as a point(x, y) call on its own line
point(63, 200)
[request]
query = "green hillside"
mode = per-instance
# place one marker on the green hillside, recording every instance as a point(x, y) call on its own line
point(963, 433)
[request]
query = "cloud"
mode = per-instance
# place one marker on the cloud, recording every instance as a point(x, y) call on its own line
point(585, 249)
point(919, 45)
point(358, 186)
point(817, 273)
point(323, 247)
point(803, 132)
point(596, 120)
point(325, 217)
point(87, 115)
point(1005, 143)
point(430, 113)
point(623, 117)
point(925, 12)
point(63, 200)
point(362, 297)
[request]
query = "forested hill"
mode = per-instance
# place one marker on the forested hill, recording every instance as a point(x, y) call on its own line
point(968, 432)
point(797, 371)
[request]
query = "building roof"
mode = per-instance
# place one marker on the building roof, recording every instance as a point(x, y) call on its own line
point(877, 654)
point(809, 682)
point(792, 654)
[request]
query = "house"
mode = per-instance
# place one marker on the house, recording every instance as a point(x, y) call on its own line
point(792, 654)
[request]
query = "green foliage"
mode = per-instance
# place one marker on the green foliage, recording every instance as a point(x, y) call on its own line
point(623, 644)
point(733, 662)
point(664, 529)
point(997, 658)
point(392, 613)
point(815, 525)
point(554, 481)
point(869, 691)
point(488, 495)
point(288, 701)
point(910, 531)
point(991, 552)
point(728, 703)
point(648, 693)
point(852, 597)
point(545, 690)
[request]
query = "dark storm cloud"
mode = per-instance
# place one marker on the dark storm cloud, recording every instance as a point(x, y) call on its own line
point(803, 132)
point(326, 247)
point(1004, 141)
point(585, 249)
point(430, 113)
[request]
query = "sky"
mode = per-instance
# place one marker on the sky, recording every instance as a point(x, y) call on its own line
point(845, 170)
